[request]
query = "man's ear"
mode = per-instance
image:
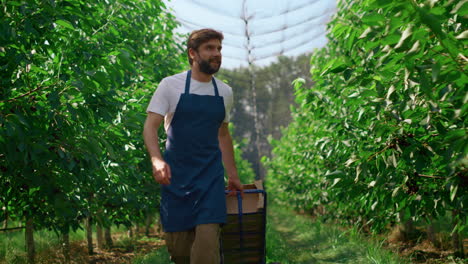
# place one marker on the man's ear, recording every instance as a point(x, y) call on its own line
point(192, 53)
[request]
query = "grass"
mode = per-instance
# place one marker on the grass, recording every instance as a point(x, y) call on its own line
point(293, 238)
point(12, 244)
point(159, 256)
point(296, 239)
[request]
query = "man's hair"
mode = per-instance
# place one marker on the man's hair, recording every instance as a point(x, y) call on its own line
point(198, 37)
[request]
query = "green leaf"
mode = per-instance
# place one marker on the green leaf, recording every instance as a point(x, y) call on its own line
point(335, 181)
point(424, 84)
point(395, 191)
point(463, 35)
point(405, 35)
point(365, 33)
point(461, 8)
point(391, 39)
point(334, 173)
point(373, 18)
point(335, 66)
point(435, 71)
point(456, 135)
point(109, 147)
point(102, 78)
point(14, 3)
point(64, 23)
point(298, 82)
point(453, 191)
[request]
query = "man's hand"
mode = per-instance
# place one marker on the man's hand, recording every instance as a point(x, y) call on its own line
point(235, 185)
point(161, 171)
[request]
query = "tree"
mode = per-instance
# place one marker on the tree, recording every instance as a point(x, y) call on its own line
point(381, 137)
point(76, 78)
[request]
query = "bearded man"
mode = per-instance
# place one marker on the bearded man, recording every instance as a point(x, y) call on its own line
point(195, 108)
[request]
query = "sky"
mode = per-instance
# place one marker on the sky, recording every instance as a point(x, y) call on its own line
point(273, 27)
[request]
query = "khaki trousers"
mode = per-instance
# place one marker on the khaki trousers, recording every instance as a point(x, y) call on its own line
point(197, 246)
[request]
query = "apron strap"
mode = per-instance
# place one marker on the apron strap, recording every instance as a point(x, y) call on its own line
point(215, 86)
point(187, 84)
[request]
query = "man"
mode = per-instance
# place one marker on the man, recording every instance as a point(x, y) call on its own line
point(195, 108)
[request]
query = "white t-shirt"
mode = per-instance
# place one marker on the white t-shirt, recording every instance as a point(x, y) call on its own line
point(166, 97)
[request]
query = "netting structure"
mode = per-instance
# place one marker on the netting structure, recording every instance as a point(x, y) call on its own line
point(257, 31)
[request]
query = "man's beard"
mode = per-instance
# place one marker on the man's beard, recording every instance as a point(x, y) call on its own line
point(206, 67)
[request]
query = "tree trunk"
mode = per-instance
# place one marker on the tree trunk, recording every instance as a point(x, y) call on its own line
point(431, 234)
point(65, 239)
point(406, 228)
point(29, 237)
point(108, 237)
point(89, 234)
point(456, 239)
point(99, 236)
point(149, 220)
point(5, 223)
point(130, 232)
point(138, 230)
point(159, 228)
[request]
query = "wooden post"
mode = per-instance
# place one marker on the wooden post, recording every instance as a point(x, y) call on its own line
point(89, 234)
point(29, 239)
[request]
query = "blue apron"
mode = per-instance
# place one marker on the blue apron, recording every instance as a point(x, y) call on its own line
point(196, 193)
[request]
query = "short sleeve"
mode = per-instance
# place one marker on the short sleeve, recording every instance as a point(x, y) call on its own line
point(228, 101)
point(159, 103)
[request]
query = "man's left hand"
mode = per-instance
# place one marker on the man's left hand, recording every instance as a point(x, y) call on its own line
point(235, 185)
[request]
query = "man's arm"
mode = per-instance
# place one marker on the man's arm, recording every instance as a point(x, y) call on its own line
point(161, 170)
point(227, 150)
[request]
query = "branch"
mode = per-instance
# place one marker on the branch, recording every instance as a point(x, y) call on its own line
point(28, 93)
point(381, 151)
point(430, 176)
point(12, 228)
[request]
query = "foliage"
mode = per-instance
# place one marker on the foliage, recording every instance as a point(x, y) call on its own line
point(244, 167)
point(382, 134)
point(76, 78)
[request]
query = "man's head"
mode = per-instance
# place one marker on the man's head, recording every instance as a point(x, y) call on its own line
point(204, 49)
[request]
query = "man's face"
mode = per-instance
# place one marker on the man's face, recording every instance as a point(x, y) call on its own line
point(208, 57)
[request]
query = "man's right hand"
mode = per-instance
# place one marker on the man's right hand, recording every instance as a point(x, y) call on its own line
point(161, 171)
